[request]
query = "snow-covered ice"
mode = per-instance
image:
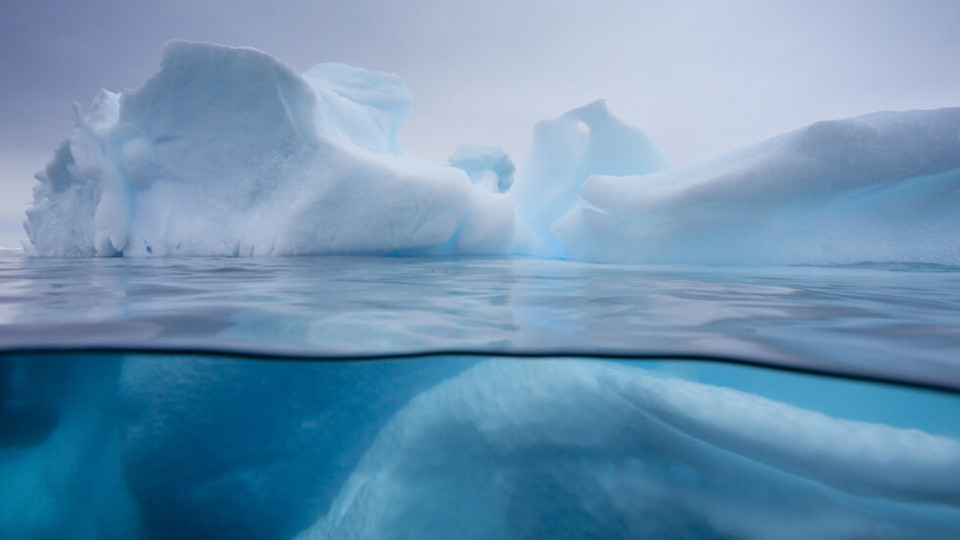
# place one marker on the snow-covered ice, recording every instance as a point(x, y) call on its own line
point(227, 151)
point(884, 187)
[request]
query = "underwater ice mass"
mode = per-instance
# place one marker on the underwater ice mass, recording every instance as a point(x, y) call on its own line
point(227, 151)
point(142, 446)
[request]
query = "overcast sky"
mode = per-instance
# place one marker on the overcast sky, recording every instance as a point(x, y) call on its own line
point(701, 78)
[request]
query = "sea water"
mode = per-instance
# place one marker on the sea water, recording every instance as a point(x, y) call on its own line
point(410, 397)
point(900, 321)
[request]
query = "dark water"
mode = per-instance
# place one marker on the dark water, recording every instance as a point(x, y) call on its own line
point(301, 434)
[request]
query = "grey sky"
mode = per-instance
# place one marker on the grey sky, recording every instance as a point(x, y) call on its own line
point(701, 78)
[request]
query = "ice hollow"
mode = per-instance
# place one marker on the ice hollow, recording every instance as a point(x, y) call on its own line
point(564, 152)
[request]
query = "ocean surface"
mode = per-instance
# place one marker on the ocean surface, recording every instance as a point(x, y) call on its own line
point(896, 321)
point(358, 397)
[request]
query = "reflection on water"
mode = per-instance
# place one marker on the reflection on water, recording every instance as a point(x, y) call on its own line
point(164, 446)
point(893, 321)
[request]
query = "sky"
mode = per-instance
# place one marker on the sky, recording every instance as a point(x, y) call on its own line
point(701, 78)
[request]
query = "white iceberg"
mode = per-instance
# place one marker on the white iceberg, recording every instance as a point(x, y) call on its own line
point(881, 188)
point(226, 151)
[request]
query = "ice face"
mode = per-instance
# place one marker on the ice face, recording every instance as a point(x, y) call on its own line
point(226, 151)
point(882, 187)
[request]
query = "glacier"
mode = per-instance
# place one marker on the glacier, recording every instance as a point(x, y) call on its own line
point(227, 151)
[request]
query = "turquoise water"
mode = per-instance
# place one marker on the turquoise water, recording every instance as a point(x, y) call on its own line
point(481, 398)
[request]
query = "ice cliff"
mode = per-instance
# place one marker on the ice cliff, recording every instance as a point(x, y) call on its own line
point(226, 151)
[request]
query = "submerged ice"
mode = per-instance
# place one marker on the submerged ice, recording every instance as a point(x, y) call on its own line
point(227, 151)
point(194, 447)
point(540, 450)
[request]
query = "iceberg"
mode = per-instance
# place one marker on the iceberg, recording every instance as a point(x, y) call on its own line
point(564, 152)
point(490, 225)
point(561, 448)
point(161, 446)
point(226, 151)
point(251, 450)
point(884, 187)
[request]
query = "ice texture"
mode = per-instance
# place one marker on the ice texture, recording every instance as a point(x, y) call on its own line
point(884, 187)
point(548, 449)
point(564, 152)
point(226, 151)
point(252, 450)
point(110, 446)
point(59, 453)
point(488, 166)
